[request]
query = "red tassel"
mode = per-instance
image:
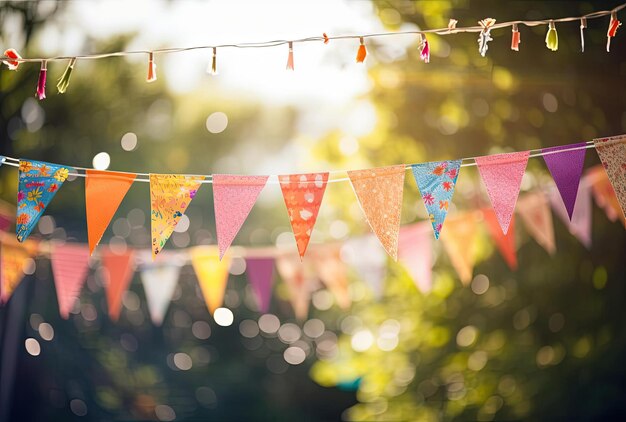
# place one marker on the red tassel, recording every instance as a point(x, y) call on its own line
point(360, 55)
point(290, 57)
point(12, 54)
point(151, 69)
point(515, 38)
point(613, 25)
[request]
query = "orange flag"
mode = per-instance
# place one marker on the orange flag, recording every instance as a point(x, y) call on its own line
point(170, 195)
point(504, 242)
point(332, 272)
point(604, 194)
point(379, 192)
point(104, 192)
point(297, 277)
point(212, 274)
point(459, 240)
point(303, 194)
point(12, 260)
point(534, 209)
point(120, 270)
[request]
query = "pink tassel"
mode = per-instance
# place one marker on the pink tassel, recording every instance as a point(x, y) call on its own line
point(424, 49)
point(515, 38)
point(41, 83)
point(290, 57)
point(152, 76)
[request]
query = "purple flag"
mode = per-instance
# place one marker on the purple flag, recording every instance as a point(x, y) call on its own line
point(566, 168)
point(261, 277)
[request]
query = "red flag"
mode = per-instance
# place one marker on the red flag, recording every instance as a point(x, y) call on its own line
point(504, 242)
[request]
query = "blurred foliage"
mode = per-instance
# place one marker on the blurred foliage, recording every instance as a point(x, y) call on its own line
point(544, 342)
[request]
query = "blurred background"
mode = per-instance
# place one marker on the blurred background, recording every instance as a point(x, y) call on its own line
point(545, 342)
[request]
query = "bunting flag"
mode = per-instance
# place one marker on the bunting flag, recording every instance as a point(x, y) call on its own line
point(70, 263)
point(303, 194)
point(504, 242)
point(604, 194)
point(332, 272)
point(502, 175)
point(212, 273)
point(379, 192)
point(367, 257)
point(233, 198)
point(170, 195)
point(104, 192)
point(159, 283)
point(415, 253)
point(612, 153)
point(436, 182)
point(12, 260)
point(38, 183)
point(260, 273)
point(580, 224)
point(299, 281)
point(566, 168)
point(119, 269)
point(460, 244)
point(534, 209)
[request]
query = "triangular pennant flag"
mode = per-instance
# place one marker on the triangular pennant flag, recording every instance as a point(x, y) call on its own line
point(38, 183)
point(159, 283)
point(303, 194)
point(233, 198)
point(502, 175)
point(212, 274)
point(504, 242)
point(566, 168)
point(612, 153)
point(104, 192)
point(332, 272)
point(415, 253)
point(260, 272)
point(534, 209)
point(436, 182)
point(604, 194)
point(379, 192)
point(12, 260)
point(70, 263)
point(119, 269)
point(580, 224)
point(460, 244)
point(297, 276)
point(367, 257)
point(170, 195)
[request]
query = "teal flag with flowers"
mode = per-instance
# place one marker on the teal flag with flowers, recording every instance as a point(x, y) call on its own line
point(37, 185)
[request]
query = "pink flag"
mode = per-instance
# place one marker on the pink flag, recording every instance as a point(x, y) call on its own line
point(260, 273)
point(233, 198)
point(502, 175)
point(70, 263)
point(120, 270)
point(415, 253)
point(534, 209)
point(580, 226)
point(504, 242)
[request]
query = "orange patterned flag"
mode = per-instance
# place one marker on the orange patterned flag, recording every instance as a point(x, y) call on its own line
point(379, 192)
point(170, 195)
point(12, 260)
point(104, 192)
point(300, 281)
point(534, 209)
point(459, 240)
point(332, 272)
point(212, 274)
point(303, 194)
point(120, 270)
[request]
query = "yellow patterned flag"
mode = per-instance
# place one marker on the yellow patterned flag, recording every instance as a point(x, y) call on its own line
point(170, 195)
point(459, 241)
point(379, 192)
point(12, 260)
point(212, 274)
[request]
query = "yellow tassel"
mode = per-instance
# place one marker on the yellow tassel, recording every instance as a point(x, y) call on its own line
point(290, 57)
point(151, 69)
point(213, 69)
point(552, 38)
point(360, 55)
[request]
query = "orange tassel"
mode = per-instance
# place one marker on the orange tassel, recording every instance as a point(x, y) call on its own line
point(515, 38)
point(290, 57)
point(326, 39)
point(360, 55)
point(151, 69)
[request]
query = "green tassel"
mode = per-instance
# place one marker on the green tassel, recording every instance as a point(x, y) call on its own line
point(552, 39)
point(64, 82)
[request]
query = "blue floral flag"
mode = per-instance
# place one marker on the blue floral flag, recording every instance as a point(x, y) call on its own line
point(38, 183)
point(436, 182)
